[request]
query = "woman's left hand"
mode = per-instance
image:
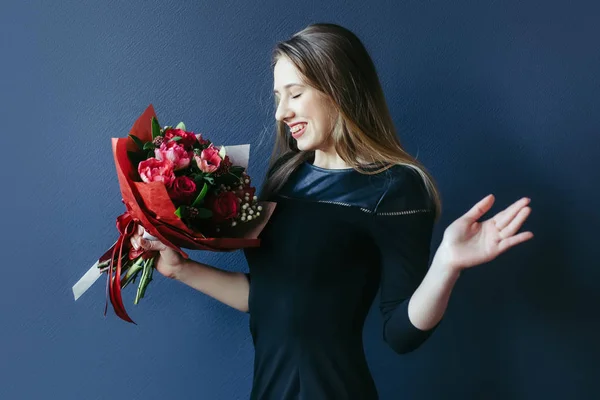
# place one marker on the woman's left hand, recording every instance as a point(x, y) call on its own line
point(468, 243)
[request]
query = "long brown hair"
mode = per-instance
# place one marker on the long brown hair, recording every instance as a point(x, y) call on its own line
point(334, 61)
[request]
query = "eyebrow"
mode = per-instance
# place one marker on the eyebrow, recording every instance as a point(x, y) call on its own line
point(289, 85)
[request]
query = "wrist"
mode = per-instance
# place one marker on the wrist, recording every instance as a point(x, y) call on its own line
point(444, 264)
point(183, 270)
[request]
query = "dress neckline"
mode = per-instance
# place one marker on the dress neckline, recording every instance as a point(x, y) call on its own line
point(329, 170)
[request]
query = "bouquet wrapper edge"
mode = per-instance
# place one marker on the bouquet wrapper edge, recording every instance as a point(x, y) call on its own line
point(170, 230)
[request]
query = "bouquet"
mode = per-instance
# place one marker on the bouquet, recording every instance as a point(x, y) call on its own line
point(184, 191)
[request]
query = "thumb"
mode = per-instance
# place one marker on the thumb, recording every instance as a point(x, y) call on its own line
point(152, 245)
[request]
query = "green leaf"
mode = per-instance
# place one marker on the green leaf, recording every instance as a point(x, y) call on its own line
point(209, 179)
point(132, 155)
point(201, 195)
point(236, 169)
point(222, 152)
point(178, 212)
point(228, 180)
point(180, 125)
point(155, 128)
point(176, 138)
point(135, 158)
point(197, 177)
point(204, 213)
point(137, 141)
point(149, 146)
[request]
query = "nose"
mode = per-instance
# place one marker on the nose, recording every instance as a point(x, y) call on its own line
point(283, 112)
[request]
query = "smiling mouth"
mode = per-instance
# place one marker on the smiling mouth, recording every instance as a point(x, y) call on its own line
point(297, 130)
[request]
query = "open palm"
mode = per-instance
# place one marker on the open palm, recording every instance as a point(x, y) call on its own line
point(469, 243)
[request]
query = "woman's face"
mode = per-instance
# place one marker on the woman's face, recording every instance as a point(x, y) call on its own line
point(308, 113)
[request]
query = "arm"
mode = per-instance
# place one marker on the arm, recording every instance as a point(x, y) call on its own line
point(402, 227)
point(428, 303)
point(231, 288)
point(414, 297)
point(403, 242)
point(467, 243)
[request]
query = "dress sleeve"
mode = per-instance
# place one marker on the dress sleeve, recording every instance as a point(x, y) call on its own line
point(401, 227)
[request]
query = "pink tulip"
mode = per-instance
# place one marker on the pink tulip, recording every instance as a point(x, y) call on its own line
point(175, 153)
point(153, 170)
point(209, 160)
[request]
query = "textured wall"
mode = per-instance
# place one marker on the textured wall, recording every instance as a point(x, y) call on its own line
point(497, 97)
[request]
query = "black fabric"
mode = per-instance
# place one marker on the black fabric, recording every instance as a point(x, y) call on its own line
point(335, 238)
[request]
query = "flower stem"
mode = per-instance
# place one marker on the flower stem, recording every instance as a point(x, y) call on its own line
point(148, 267)
point(132, 272)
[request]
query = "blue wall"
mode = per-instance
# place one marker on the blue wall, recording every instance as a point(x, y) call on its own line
point(494, 97)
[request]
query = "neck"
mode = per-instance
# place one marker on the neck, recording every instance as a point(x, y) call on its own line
point(329, 160)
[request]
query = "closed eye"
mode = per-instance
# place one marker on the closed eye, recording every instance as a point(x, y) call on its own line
point(296, 96)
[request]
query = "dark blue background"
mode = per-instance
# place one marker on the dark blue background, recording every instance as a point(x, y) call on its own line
point(494, 97)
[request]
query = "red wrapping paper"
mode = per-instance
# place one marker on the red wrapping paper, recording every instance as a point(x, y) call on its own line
point(149, 205)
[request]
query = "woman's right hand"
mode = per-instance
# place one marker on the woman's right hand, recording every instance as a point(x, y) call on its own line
point(169, 262)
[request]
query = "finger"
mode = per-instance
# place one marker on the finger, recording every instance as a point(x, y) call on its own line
point(513, 241)
point(516, 223)
point(152, 245)
point(479, 209)
point(140, 230)
point(503, 218)
point(135, 242)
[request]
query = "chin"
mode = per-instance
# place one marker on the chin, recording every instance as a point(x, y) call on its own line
point(300, 146)
point(303, 145)
point(306, 147)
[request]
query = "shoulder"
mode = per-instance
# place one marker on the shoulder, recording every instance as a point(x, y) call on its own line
point(404, 189)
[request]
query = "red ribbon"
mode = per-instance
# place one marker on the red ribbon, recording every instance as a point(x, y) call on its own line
point(126, 226)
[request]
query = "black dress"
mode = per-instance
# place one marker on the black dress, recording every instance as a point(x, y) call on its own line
point(334, 238)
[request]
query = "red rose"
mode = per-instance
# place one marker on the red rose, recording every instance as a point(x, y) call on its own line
point(187, 138)
point(224, 206)
point(183, 190)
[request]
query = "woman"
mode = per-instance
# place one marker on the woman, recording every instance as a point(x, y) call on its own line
point(354, 214)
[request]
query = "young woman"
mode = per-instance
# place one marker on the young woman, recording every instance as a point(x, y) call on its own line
point(354, 214)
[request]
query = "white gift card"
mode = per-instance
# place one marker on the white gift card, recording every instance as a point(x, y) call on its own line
point(239, 154)
point(86, 281)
